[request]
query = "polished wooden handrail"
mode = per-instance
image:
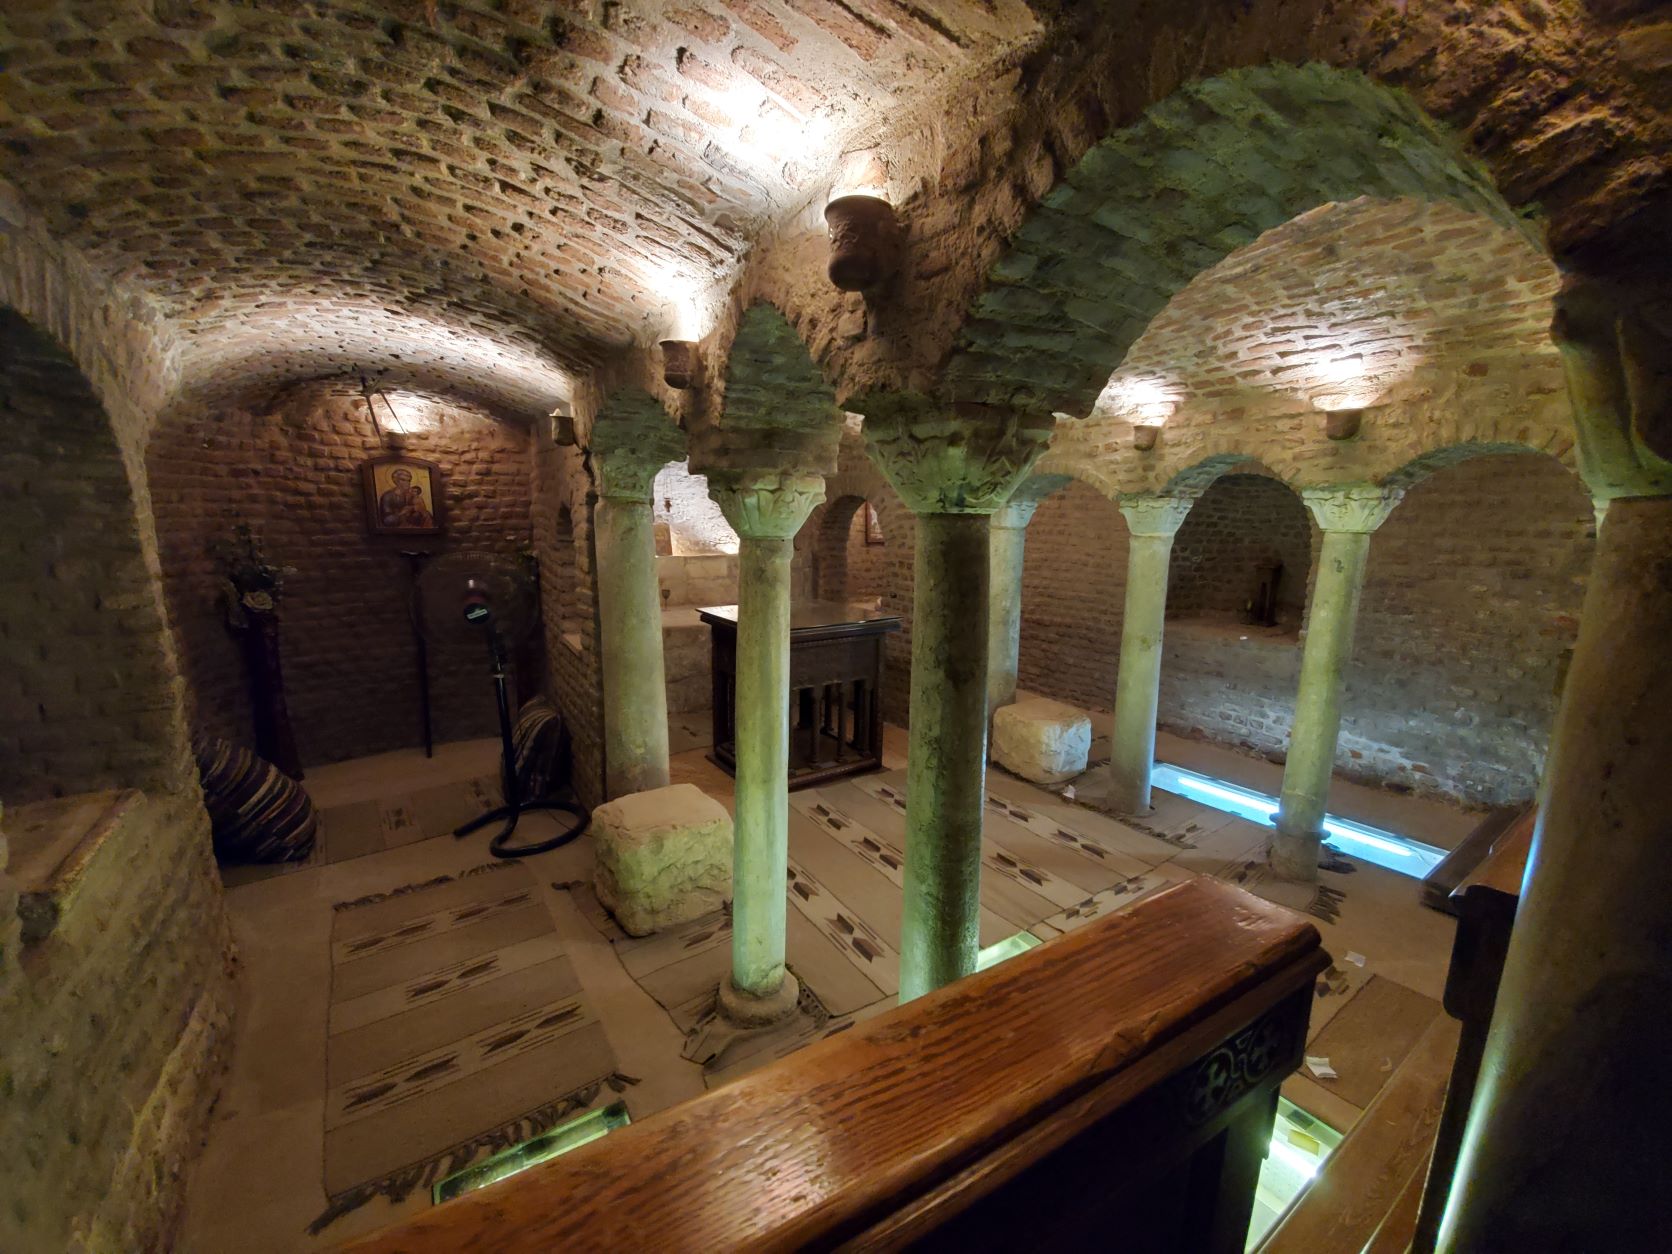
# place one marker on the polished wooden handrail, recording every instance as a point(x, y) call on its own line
point(884, 1131)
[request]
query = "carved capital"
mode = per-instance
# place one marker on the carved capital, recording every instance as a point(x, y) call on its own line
point(1620, 384)
point(765, 505)
point(1358, 507)
point(627, 476)
point(964, 460)
point(1156, 513)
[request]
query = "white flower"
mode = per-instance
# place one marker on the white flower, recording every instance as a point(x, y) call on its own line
point(258, 600)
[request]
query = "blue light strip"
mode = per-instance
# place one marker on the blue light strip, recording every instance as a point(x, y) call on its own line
point(1385, 849)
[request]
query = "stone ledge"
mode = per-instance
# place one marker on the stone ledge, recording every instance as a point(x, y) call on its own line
point(52, 845)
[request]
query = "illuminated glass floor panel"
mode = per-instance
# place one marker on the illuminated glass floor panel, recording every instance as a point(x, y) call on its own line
point(1009, 947)
point(534, 1151)
point(1372, 844)
point(1299, 1146)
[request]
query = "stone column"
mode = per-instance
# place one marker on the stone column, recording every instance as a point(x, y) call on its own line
point(766, 510)
point(1566, 1142)
point(1006, 548)
point(1347, 515)
point(951, 472)
point(630, 626)
point(1152, 520)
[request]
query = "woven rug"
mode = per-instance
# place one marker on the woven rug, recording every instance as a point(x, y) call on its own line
point(366, 827)
point(457, 1028)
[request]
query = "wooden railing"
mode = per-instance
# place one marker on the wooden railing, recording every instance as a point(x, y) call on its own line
point(1119, 1080)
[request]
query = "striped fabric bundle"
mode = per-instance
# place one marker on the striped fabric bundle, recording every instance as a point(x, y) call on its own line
point(256, 811)
point(541, 740)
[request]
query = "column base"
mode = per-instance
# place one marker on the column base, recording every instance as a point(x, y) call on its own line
point(748, 1011)
point(739, 1016)
point(1099, 790)
point(1295, 856)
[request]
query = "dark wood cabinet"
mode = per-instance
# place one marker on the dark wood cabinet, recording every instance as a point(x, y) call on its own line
point(836, 673)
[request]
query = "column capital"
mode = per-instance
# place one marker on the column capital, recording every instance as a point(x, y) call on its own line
point(952, 459)
point(1353, 507)
point(1016, 513)
point(625, 475)
point(1156, 513)
point(765, 504)
point(1618, 387)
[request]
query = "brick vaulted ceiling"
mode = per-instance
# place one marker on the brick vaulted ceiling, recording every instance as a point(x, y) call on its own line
point(506, 186)
point(1348, 305)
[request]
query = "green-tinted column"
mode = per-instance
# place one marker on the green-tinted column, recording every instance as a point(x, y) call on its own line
point(1566, 1142)
point(1151, 522)
point(1004, 608)
point(630, 628)
point(952, 471)
point(766, 510)
point(1347, 516)
point(947, 772)
point(1006, 551)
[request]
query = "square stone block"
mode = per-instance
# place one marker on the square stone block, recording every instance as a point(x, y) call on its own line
point(1041, 740)
point(664, 857)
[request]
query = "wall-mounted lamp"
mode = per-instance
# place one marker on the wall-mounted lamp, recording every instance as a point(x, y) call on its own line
point(393, 435)
point(1144, 435)
point(681, 364)
point(561, 424)
point(862, 236)
point(1342, 424)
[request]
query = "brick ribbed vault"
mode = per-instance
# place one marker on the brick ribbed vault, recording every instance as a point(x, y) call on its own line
point(1431, 319)
point(476, 187)
point(1205, 172)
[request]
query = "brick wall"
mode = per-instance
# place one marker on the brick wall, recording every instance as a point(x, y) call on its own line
point(561, 521)
point(1241, 523)
point(88, 697)
point(1073, 590)
point(348, 651)
point(1470, 609)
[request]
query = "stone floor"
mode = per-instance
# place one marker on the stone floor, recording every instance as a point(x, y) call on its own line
point(259, 1183)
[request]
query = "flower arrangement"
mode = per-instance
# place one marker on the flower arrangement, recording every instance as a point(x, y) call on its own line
point(249, 582)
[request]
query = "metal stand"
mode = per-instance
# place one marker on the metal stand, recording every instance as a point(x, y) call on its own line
point(515, 805)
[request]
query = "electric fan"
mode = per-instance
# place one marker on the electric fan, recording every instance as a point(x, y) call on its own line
point(480, 601)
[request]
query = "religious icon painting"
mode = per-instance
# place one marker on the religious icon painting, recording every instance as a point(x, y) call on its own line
point(403, 496)
point(873, 525)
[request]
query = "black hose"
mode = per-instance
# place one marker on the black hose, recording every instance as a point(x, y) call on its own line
point(501, 847)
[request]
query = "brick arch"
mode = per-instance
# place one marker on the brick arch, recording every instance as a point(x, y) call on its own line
point(1203, 173)
point(1421, 467)
point(98, 698)
point(1246, 520)
point(835, 577)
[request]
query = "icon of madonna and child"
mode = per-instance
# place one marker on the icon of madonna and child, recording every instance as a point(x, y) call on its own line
point(402, 496)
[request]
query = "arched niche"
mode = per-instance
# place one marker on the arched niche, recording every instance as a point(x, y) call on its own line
point(1242, 555)
point(562, 581)
point(849, 551)
point(94, 700)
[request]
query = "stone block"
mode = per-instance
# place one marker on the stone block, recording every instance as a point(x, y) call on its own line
point(664, 857)
point(1041, 740)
